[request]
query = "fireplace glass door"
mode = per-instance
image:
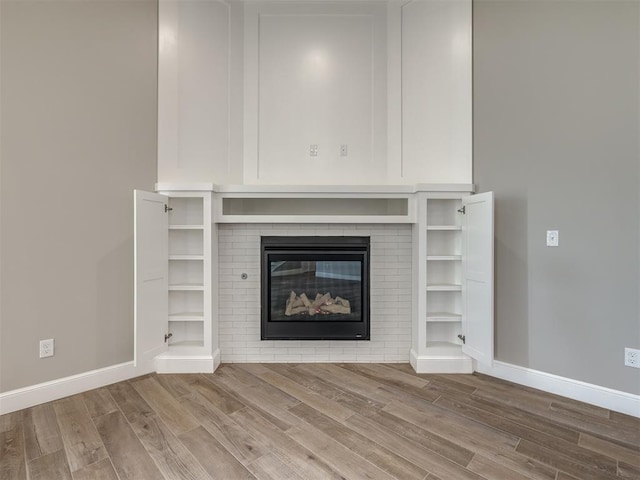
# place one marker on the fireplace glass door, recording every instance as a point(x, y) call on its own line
point(315, 288)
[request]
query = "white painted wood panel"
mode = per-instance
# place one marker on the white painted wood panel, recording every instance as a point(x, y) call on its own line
point(193, 90)
point(436, 91)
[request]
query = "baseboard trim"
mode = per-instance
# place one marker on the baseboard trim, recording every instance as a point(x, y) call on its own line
point(585, 392)
point(184, 364)
point(433, 364)
point(26, 397)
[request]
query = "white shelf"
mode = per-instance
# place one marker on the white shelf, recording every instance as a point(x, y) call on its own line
point(443, 287)
point(186, 227)
point(194, 287)
point(186, 317)
point(185, 343)
point(186, 257)
point(444, 349)
point(445, 228)
point(443, 317)
point(444, 257)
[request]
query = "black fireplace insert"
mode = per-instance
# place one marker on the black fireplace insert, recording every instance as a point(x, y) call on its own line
point(315, 288)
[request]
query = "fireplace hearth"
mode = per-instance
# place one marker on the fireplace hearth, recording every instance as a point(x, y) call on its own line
point(315, 288)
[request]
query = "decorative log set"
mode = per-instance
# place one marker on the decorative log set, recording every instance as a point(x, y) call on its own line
point(322, 304)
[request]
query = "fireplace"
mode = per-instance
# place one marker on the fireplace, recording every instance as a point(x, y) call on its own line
point(315, 288)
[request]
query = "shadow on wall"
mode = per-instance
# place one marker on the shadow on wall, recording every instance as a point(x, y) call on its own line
point(114, 305)
point(511, 292)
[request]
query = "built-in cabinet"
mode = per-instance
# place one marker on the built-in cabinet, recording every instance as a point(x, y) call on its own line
point(454, 256)
point(188, 317)
point(176, 265)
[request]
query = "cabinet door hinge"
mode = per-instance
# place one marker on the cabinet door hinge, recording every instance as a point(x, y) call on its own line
point(462, 210)
point(167, 336)
point(167, 208)
point(463, 338)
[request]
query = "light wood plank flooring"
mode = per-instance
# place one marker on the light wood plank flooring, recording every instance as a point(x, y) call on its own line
point(318, 421)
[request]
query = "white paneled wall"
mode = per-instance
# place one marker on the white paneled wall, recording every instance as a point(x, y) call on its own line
point(246, 87)
point(239, 312)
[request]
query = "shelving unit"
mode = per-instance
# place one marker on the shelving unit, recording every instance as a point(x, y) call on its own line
point(189, 293)
point(438, 240)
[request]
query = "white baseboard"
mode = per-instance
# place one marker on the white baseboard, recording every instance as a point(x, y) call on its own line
point(63, 387)
point(434, 364)
point(168, 363)
point(585, 392)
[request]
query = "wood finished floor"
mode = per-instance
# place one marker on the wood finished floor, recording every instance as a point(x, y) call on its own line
point(318, 421)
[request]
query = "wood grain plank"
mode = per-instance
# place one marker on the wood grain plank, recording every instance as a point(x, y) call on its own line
point(494, 470)
point(465, 432)
point(609, 449)
point(562, 462)
point(487, 410)
point(165, 405)
point(216, 460)
point(302, 394)
point(224, 429)
point(261, 397)
point(398, 385)
point(270, 467)
point(217, 396)
point(582, 455)
point(177, 384)
point(349, 463)
point(310, 382)
point(626, 470)
point(41, 433)
point(399, 435)
point(348, 381)
point(300, 459)
point(102, 470)
point(381, 457)
point(49, 467)
point(498, 446)
point(129, 401)
point(12, 448)
point(99, 402)
point(169, 454)
point(129, 457)
point(81, 441)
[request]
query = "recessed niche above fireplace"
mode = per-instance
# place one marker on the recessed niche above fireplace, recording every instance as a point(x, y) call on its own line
point(315, 288)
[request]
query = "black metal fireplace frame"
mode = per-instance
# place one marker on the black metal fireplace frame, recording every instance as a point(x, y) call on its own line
point(328, 248)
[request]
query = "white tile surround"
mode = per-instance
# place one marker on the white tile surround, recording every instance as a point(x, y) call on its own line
point(239, 300)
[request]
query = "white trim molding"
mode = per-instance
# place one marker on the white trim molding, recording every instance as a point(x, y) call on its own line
point(26, 397)
point(604, 397)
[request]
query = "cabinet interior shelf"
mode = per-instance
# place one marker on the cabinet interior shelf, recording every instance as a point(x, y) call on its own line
point(187, 287)
point(443, 317)
point(186, 227)
point(186, 257)
point(444, 257)
point(443, 287)
point(452, 228)
point(444, 349)
point(186, 317)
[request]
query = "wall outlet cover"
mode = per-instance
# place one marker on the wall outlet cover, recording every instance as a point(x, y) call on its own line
point(46, 348)
point(632, 357)
point(552, 238)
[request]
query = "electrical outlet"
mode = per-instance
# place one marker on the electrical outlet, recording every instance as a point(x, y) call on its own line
point(313, 150)
point(46, 348)
point(632, 357)
point(552, 238)
point(344, 150)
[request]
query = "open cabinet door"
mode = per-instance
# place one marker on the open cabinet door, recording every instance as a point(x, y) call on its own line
point(477, 277)
point(151, 271)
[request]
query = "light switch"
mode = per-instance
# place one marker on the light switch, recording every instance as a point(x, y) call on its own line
point(552, 238)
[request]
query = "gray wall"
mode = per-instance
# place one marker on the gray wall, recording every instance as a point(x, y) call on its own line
point(556, 109)
point(78, 133)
